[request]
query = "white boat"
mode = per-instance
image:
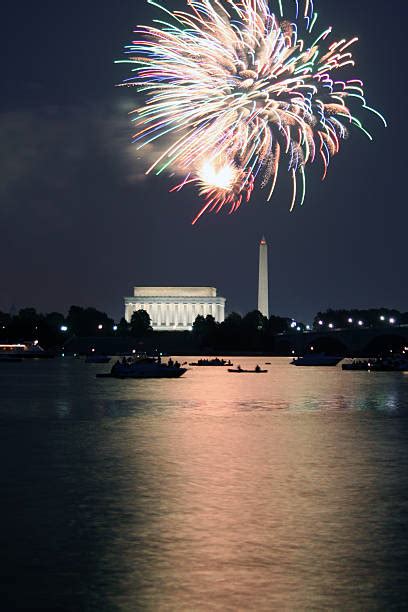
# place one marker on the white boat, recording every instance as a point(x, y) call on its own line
point(24, 350)
point(316, 360)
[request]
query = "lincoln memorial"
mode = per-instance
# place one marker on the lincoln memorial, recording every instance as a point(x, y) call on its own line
point(175, 308)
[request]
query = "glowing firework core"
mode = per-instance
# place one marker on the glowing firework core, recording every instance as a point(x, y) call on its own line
point(220, 179)
point(237, 91)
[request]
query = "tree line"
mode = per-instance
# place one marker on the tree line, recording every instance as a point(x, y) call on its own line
point(53, 329)
point(252, 331)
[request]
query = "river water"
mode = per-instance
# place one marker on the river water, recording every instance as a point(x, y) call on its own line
point(280, 491)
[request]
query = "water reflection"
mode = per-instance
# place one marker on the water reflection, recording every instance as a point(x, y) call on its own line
point(69, 389)
point(287, 491)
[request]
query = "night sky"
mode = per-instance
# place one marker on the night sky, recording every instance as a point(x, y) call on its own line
point(80, 224)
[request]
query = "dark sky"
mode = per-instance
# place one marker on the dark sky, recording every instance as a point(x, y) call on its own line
point(80, 224)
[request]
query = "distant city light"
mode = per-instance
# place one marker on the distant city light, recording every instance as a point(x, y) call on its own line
point(361, 323)
point(100, 326)
point(64, 328)
point(392, 321)
point(308, 327)
point(312, 348)
point(331, 325)
point(320, 322)
point(350, 320)
point(115, 328)
point(293, 324)
point(382, 318)
point(299, 329)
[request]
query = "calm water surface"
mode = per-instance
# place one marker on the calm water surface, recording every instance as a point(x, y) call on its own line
point(283, 491)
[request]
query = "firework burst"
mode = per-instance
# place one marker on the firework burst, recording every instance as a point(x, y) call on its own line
point(242, 90)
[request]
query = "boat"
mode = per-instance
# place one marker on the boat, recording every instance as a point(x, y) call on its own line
point(97, 359)
point(145, 367)
point(316, 360)
point(394, 363)
point(359, 365)
point(25, 350)
point(211, 362)
point(240, 370)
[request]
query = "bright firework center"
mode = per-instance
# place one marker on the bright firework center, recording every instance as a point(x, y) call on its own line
point(175, 308)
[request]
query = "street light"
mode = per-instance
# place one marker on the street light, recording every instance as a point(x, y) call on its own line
point(361, 323)
point(350, 320)
point(320, 322)
point(115, 328)
point(64, 328)
point(331, 326)
point(100, 327)
point(392, 321)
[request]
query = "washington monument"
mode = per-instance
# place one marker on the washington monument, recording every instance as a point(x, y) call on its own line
point(263, 287)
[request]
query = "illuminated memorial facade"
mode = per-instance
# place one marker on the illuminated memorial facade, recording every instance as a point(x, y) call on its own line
point(175, 308)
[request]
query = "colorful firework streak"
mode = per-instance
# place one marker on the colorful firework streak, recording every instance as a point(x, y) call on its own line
point(237, 90)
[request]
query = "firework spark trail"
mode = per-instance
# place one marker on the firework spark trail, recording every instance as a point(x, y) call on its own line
point(237, 91)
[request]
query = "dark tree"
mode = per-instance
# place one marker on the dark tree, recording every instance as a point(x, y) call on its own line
point(5, 320)
point(123, 327)
point(230, 332)
point(278, 325)
point(254, 322)
point(205, 330)
point(49, 330)
point(24, 326)
point(343, 319)
point(140, 324)
point(88, 322)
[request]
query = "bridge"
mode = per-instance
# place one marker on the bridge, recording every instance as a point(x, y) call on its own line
point(351, 342)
